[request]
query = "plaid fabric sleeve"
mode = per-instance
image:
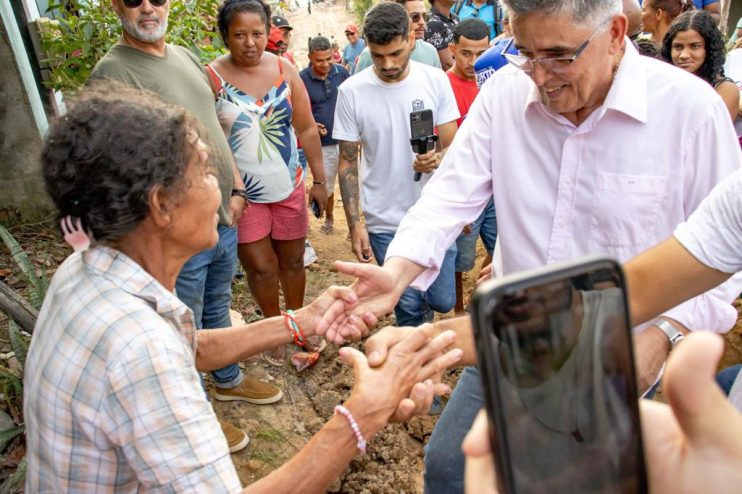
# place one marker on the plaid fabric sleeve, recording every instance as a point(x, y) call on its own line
point(160, 418)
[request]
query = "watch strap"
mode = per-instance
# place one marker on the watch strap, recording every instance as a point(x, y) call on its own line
point(672, 333)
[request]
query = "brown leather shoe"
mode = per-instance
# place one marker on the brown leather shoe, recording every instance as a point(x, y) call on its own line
point(236, 439)
point(252, 391)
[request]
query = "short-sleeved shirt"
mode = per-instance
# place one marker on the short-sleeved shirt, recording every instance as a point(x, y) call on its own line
point(490, 12)
point(439, 30)
point(112, 400)
point(465, 92)
point(323, 94)
point(377, 114)
point(423, 52)
point(352, 51)
point(177, 78)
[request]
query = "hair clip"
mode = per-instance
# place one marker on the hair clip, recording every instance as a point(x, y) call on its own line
point(74, 234)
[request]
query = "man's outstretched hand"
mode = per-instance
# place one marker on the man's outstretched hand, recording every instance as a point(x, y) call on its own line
point(377, 294)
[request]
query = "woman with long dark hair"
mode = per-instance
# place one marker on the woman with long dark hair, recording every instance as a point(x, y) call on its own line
point(694, 43)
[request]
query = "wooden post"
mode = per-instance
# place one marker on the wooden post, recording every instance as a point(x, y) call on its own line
point(17, 308)
point(724, 20)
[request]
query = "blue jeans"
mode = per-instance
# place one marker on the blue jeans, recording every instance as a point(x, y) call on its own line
point(415, 307)
point(205, 285)
point(444, 461)
point(485, 227)
point(727, 376)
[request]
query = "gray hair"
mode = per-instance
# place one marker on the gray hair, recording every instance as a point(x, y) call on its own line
point(584, 12)
point(319, 43)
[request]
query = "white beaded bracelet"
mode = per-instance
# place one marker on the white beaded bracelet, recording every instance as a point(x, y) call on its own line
point(361, 444)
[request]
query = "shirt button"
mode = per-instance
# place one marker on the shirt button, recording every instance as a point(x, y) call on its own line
point(567, 182)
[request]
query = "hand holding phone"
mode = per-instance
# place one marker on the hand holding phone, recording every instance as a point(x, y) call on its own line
point(315, 208)
point(422, 134)
point(554, 349)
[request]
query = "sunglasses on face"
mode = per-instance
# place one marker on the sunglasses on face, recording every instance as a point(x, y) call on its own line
point(349, 33)
point(416, 16)
point(132, 4)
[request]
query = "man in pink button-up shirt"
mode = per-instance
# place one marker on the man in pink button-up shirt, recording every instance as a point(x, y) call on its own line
point(589, 148)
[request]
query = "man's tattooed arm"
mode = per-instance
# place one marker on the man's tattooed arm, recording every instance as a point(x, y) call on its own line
point(348, 177)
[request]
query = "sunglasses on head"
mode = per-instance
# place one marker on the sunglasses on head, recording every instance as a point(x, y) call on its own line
point(132, 4)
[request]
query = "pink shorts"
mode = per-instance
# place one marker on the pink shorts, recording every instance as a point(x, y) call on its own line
point(284, 220)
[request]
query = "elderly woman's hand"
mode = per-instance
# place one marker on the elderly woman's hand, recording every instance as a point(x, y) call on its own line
point(343, 300)
point(380, 393)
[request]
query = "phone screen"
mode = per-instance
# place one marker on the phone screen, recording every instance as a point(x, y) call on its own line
point(556, 360)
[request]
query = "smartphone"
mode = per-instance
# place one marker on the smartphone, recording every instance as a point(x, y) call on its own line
point(555, 354)
point(421, 124)
point(315, 208)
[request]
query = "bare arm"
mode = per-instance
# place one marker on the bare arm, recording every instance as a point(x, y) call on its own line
point(665, 276)
point(350, 192)
point(220, 347)
point(658, 280)
point(306, 130)
point(730, 94)
point(376, 397)
point(715, 10)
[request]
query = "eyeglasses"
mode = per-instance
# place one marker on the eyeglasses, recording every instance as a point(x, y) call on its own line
point(416, 16)
point(132, 4)
point(555, 65)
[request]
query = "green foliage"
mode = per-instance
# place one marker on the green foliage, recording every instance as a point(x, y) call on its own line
point(14, 483)
point(17, 342)
point(38, 283)
point(360, 7)
point(86, 29)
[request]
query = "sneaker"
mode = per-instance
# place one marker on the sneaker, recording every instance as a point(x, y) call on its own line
point(252, 391)
point(309, 254)
point(236, 439)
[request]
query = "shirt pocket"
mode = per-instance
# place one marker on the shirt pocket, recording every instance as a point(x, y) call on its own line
point(626, 209)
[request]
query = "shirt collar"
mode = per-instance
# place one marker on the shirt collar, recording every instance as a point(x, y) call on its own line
point(628, 93)
point(442, 17)
point(134, 280)
point(315, 77)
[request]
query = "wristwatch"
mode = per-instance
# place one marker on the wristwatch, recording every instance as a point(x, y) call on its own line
point(672, 333)
point(240, 193)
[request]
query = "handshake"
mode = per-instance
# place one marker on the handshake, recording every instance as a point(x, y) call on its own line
point(399, 375)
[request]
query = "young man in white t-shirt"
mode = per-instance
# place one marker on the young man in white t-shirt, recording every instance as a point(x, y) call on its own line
point(373, 110)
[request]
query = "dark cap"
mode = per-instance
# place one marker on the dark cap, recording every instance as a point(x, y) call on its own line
point(279, 21)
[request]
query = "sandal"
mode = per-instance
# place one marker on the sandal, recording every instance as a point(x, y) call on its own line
point(271, 358)
point(326, 228)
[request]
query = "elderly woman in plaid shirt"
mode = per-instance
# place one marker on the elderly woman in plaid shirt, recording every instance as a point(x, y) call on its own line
point(113, 400)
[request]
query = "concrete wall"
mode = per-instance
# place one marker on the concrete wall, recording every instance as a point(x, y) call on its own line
point(22, 194)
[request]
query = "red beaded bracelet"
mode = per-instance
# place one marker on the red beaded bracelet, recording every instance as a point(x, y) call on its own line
point(361, 442)
point(290, 321)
